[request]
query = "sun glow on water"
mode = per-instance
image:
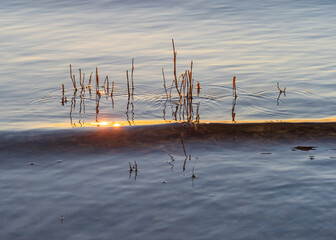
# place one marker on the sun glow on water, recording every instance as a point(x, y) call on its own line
point(100, 123)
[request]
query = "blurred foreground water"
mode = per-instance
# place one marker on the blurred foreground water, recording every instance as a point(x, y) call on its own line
point(262, 181)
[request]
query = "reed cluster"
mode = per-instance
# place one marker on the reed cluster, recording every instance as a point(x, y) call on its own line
point(184, 86)
point(134, 167)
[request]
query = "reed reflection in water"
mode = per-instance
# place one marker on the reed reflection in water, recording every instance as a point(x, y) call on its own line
point(182, 105)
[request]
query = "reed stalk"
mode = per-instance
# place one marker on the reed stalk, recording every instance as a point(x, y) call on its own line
point(234, 87)
point(80, 77)
point(73, 79)
point(83, 84)
point(89, 84)
point(284, 90)
point(112, 90)
point(128, 88)
point(63, 98)
point(97, 80)
point(132, 75)
point(176, 82)
point(191, 80)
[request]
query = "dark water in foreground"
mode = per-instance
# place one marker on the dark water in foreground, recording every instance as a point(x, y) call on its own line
point(266, 181)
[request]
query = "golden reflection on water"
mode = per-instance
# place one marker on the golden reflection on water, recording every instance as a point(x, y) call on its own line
point(115, 124)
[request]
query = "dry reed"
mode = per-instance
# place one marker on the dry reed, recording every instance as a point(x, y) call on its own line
point(112, 90)
point(89, 84)
point(128, 88)
point(284, 90)
point(175, 76)
point(73, 79)
point(234, 87)
point(132, 75)
point(97, 81)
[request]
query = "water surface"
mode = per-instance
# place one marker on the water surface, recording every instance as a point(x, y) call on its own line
point(272, 180)
point(262, 43)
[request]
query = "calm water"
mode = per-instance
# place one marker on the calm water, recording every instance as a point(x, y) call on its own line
point(262, 43)
point(249, 186)
point(244, 189)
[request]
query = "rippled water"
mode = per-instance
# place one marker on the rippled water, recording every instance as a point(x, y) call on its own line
point(263, 181)
point(262, 43)
point(254, 189)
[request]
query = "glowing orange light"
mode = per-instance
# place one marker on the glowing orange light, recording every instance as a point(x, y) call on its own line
point(116, 125)
point(100, 123)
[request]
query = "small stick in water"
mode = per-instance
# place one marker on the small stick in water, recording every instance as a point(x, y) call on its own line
point(80, 77)
point(108, 85)
point(128, 89)
point(280, 89)
point(234, 87)
point(198, 87)
point(64, 99)
point(130, 167)
point(112, 89)
point(73, 79)
point(112, 95)
point(97, 80)
point(136, 166)
point(83, 85)
point(89, 85)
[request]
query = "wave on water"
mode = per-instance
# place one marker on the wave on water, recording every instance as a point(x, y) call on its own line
point(150, 136)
